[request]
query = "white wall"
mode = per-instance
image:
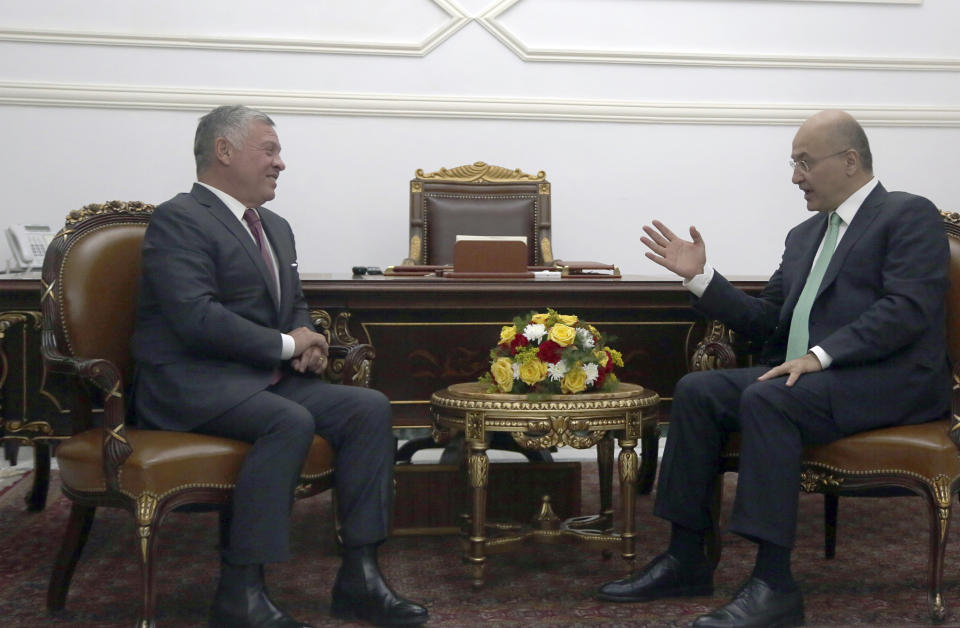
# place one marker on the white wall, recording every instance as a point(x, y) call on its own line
point(682, 110)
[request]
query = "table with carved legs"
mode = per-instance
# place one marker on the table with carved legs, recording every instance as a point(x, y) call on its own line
point(581, 421)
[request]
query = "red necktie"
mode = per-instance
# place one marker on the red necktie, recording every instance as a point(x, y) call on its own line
point(253, 220)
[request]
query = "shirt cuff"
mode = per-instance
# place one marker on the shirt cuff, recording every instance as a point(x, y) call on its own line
point(698, 283)
point(823, 356)
point(288, 346)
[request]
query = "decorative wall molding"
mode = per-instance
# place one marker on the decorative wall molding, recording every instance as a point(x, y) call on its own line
point(490, 21)
point(457, 20)
point(461, 107)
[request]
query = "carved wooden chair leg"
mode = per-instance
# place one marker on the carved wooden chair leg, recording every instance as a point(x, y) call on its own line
point(939, 500)
point(36, 499)
point(74, 538)
point(147, 544)
point(831, 504)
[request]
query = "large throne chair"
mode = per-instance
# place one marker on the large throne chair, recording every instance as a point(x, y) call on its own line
point(89, 296)
point(921, 460)
point(481, 200)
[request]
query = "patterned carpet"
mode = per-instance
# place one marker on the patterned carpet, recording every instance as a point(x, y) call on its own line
point(878, 577)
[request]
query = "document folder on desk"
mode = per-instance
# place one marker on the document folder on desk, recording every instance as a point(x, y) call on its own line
point(494, 257)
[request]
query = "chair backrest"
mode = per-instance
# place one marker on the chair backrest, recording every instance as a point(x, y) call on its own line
point(91, 277)
point(951, 223)
point(478, 199)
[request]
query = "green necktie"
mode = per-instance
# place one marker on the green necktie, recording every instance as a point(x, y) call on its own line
point(797, 342)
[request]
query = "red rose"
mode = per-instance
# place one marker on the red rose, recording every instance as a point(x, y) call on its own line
point(549, 352)
point(609, 366)
point(518, 341)
point(601, 376)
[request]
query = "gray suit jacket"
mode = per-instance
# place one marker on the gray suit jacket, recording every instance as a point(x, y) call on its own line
point(880, 312)
point(208, 325)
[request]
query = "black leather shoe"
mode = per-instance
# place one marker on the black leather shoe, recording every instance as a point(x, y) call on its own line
point(242, 601)
point(662, 577)
point(757, 605)
point(360, 592)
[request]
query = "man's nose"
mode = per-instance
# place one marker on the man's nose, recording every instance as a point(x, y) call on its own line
point(280, 164)
point(797, 176)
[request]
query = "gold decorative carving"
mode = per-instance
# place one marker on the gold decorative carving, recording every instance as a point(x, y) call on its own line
point(14, 427)
point(715, 350)
point(558, 430)
point(629, 463)
point(546, 250)
point(544, 188)
point(473, 426)
point(416, 187)
point(415, 248)
point(111, 207)
point(480, 172)
point(546, 519)
point(813, 481)
point(941, 493)
point(479, 468)
point(146, 510)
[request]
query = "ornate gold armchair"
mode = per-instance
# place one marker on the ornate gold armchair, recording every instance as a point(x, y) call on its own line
point(478, 199)
point(90, 280)
point(919, 459)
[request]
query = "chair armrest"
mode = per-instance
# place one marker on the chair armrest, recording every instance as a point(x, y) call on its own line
point(105, 377)
point(715, 350)
point(350, 365)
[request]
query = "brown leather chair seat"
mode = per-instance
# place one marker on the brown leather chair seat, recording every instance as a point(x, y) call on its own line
point(163, 463)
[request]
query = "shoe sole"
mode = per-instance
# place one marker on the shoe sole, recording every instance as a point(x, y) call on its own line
point(349, 614)
point(684, 592)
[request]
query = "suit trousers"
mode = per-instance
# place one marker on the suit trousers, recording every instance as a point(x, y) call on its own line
point(775, 422)
point(280, 422)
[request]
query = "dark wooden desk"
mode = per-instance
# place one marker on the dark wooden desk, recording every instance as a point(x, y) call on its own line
point(431, 332)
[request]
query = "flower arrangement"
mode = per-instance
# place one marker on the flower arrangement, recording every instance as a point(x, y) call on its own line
point(551, 354)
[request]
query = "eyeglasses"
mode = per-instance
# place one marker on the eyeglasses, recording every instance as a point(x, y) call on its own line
point(806, 165)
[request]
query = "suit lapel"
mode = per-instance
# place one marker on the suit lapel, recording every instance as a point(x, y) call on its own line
point(865, 215)
point(220, 211)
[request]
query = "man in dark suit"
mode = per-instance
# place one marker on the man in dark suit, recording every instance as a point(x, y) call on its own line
point(224, 346)
point(852, 341)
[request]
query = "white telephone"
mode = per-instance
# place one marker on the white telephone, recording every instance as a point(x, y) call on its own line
point(28, 244)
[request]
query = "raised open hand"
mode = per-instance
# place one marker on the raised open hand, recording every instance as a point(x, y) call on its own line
point(680, 256)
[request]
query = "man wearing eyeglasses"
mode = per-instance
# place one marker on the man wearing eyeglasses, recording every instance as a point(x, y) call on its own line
point(851, 327)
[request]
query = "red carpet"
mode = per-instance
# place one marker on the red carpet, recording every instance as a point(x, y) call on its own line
point(878, 577)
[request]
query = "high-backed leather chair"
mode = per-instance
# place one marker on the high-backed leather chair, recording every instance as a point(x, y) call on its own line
point(921, 459)
point(478, 199)
point(89, 297)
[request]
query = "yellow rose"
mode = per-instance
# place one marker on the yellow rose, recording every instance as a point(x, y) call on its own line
point(539, 319)
point(533, 371)
point(507, 334)
point(563, 335)
point(574, 381)
point(502, 371)
point(567, 319)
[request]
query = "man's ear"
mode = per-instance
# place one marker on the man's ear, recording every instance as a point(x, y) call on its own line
point(851, 162)
point(223, 150)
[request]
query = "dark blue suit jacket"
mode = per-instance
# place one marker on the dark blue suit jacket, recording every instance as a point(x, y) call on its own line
point(880, 311)
point(208, 326)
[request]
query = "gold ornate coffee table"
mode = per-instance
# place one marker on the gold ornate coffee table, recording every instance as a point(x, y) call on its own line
point(580, 421)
